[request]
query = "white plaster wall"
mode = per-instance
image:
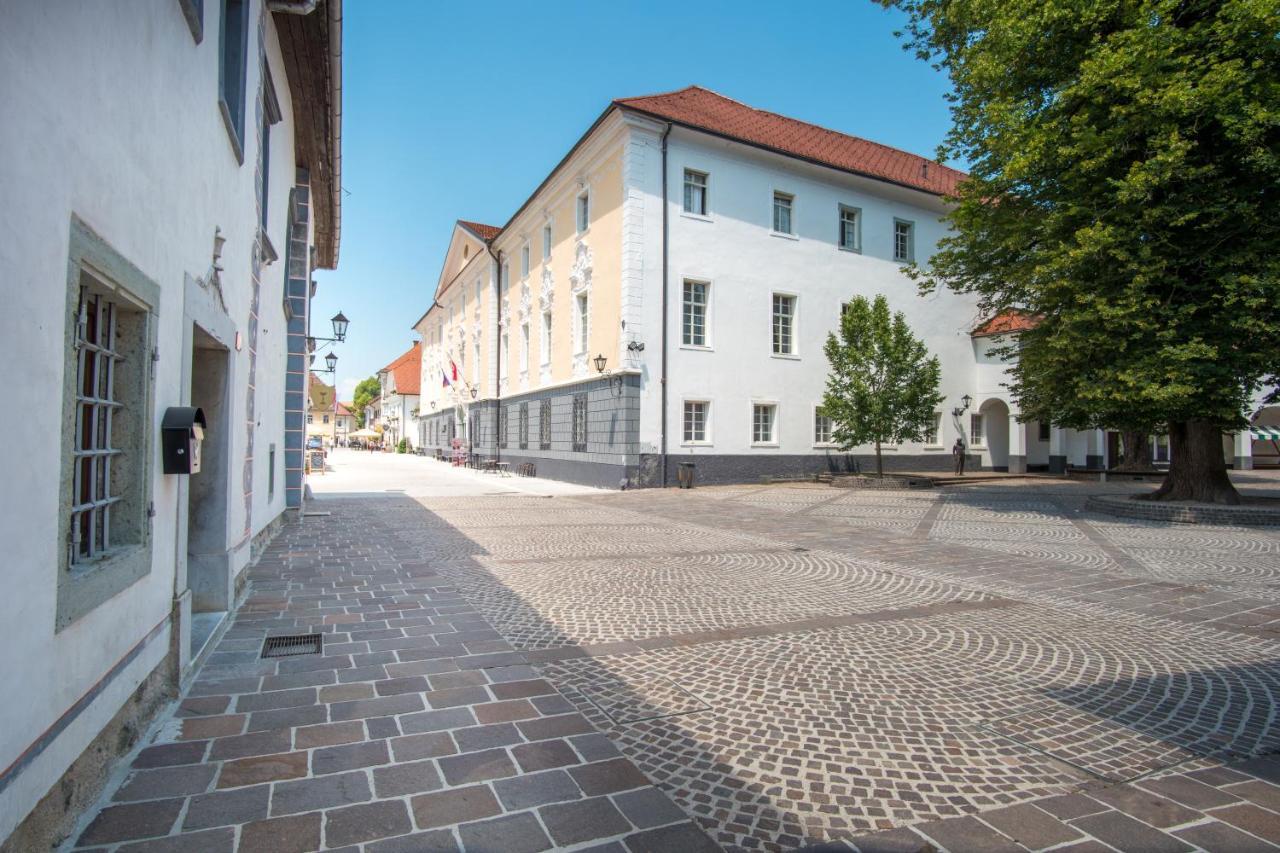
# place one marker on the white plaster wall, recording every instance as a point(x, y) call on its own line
point(111, 113)
point(733, 248)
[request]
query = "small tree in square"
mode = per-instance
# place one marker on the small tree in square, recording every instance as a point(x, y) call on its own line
point(883, 385)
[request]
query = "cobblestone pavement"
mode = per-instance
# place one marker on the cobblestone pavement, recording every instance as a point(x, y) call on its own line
point(979, 668)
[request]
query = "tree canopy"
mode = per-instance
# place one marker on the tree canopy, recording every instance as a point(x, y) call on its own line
point(883, 384)
point(366, 391)
point(1125, 170)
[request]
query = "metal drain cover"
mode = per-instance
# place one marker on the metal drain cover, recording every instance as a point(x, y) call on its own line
point(295, 644)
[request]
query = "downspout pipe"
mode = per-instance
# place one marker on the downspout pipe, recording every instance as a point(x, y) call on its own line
point(497, 339)
point(666, 227)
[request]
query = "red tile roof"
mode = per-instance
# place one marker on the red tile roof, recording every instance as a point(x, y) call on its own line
point(705, 110)
point(1009, 321)
point(484, 232)
point(407, 370)
point(344, 408)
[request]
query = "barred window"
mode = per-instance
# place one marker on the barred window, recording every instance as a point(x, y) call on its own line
point(695, 313)
point(784, 312)
point(762, 423)
point(580, 423)
point(544, 424)
point(502, 427)
point(695, 421)
point(524, 426)
point(695, 192)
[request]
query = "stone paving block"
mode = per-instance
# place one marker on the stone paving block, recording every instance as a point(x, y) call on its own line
point(328, 734)
point(199, 706)
point(382, 727)
point(223, 725)
point(396, 686)
point(428, 745)
point(276, 699)
point(1029, 826)
point(1145, 806)
point(456, 696)
point(1070, 806)
point(476, 738)
point(166, 782)
point(1257, 792)
point(608, 777)
point(352, 756)
point(522, 689)
point(323, 792)
point(296, 834)
point(560, 726)
point(258, 743)
point(169, 754)
point(400, 779)
point(1260, 822)
point(520, 833)
point(1189, 792)
point(505, 712)
point(1218, 776)
point(967, 833)
point(222, 808)
point(263, 768)
point(131, 821)
point(536, 789)
point(594, 747)
point(434, 721)
point(455, 805)
point(434, 841)
point(345, 692)
point(1124, 833)
point(901, 840)
point(584, 820)
point(544, 755)
point(684, 837)
point(648, 807)
point(476, 766)
point(287, 718)
point(209, 841)
point(380, 707)
point(367, 822)
point(1221, 838)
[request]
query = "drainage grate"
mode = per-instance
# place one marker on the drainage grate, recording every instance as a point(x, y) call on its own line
point(297, 644)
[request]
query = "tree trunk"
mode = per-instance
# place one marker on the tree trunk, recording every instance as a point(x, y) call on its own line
point(879, 463)
point(1137, 451)
point(1197, 469)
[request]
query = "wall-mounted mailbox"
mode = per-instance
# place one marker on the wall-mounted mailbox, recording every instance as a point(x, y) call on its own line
point(181, 433)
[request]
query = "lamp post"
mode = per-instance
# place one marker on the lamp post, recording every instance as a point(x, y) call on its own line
point(331, 367)
point(600, 363)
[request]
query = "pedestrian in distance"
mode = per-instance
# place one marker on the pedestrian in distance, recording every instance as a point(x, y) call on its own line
point(958, 453)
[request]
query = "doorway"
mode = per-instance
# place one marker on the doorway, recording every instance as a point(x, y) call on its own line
point(208, 557)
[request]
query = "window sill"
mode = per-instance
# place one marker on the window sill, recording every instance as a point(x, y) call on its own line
point(850, 249)
point(785, 356)
point(696, 348)
point(934, 447)
point(904, 261)
point(975, 447)
point(584, 232)
point(696, 444)
point(700, 217)
point(783, 235)
point(269, 254)
point(825, 445)
point(237, 146)
point(764, 444)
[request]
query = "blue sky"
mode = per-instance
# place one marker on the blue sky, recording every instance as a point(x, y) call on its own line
point(458, 111)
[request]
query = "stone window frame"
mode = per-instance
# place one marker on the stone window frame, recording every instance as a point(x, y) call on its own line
point(544, 424)
point(233, 62)
point(81, 588)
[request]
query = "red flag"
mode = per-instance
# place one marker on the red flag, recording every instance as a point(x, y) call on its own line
point(455, 370)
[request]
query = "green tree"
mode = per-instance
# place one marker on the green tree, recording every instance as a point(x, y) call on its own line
point(367, 390)
point(883, 384)
point(1125, 171)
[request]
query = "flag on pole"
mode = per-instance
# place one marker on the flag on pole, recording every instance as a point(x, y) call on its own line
point(455, 370)
point(445, 377)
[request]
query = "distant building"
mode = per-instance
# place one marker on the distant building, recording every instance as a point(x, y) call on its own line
point(322, 412)
point(171, 179)
point(398, 402)
point(345, 423)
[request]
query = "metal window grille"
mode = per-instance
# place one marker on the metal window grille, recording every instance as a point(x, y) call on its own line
point(502, 427)
point(93, 454)
point(695, 192)
point(544, 424)
point(762, 424)
point(524, 426)
point(821, 429)
point(695, 313)
point(783, 322)
point(782, 213)
point(580, 423)
point(902, 241)
point(695, 421)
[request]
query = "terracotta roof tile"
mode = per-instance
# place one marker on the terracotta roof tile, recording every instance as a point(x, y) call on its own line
point(1009, 321)
point(703, 109)
point(407, 370)
point(484, 232)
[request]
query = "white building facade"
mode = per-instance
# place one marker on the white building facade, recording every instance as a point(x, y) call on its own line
point(170, 181)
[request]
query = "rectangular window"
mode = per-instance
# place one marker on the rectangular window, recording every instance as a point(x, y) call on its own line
point(502, 427)
point(1044, 431)
point(584, 322)
point(546, 241)
point(504, 356)
point(822, 428)
point(546, 337)
point(695, 314)
point(544, 424)
point(584, 211)
point(695, 192)
point(270, 115)
point(903, 240)
point(763, 416)
point(580, 423)
point(524, 261)
point(271, 473)
point(524, 426)
point(782, 204)
point(231, 69)
point(310, 418)
point(524, 346)
point(784, 312)
point(850, 229)
point(695, 421)
point(977, 431)
point(324, 419)
point(935, 429)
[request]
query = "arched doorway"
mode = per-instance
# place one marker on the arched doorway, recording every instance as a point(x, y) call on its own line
point(995, 432)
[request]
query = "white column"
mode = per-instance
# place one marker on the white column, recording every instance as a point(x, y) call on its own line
point(1017, 446)
point(1096, 455)
point(1057, 450)
point(1244, 450)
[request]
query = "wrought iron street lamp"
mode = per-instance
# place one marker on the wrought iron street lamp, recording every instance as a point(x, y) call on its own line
point(600, 362)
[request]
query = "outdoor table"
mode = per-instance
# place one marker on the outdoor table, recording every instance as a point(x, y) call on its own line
point(503, 468)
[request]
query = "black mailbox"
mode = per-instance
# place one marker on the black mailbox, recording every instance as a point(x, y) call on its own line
point(181, 432)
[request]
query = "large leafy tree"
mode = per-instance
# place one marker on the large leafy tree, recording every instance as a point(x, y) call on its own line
point(1125, 174)
point(366, 391)
point(883, 384)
